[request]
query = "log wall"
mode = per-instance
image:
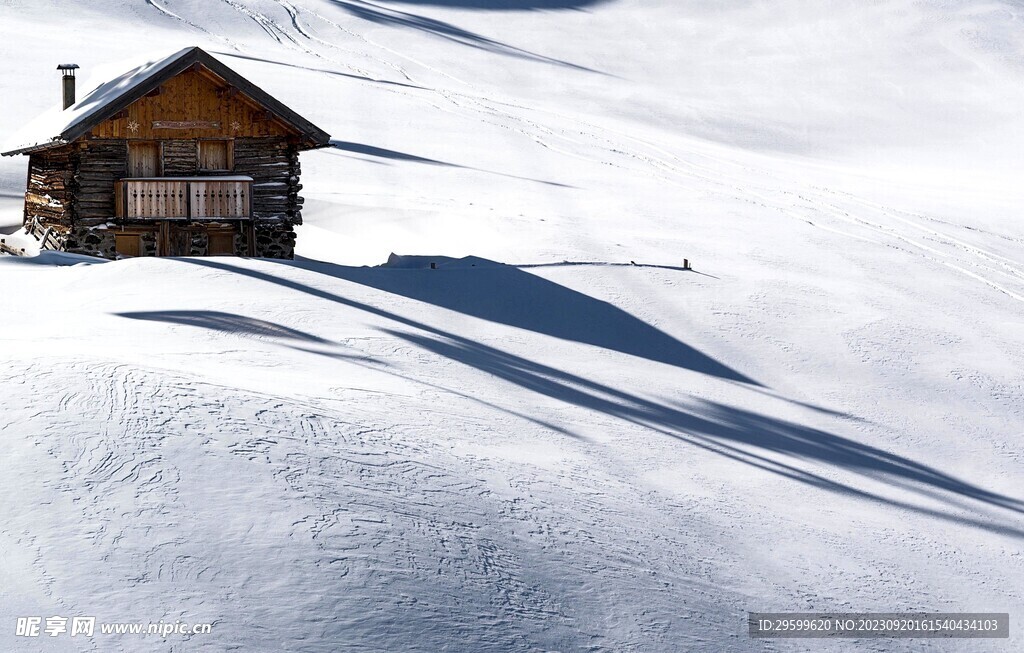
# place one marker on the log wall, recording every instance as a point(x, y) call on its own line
point(100, 164)
point(71, 191)
point(273, 164)
point(50, 188)
point(180, 158)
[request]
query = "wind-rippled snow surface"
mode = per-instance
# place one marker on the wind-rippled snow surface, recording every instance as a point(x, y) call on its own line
point(557, 439)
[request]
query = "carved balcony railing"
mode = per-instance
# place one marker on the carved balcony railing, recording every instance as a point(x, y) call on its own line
point(184, 198)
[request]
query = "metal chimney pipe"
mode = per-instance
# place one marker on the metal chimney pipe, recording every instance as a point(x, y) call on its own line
point(68, 73)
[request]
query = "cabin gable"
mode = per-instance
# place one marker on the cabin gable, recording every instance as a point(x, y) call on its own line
point(195, 104)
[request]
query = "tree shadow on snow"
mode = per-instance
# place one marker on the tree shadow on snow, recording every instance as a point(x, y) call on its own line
point(380, 152)
point(394, 18)
point(764, 442)
point(241, 325)
point(507, 295)
point(790, 450)
point(395, 155)
point(225, 322)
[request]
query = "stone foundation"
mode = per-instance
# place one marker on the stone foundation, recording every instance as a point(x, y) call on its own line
point(198, 246)
point(275, 241)
point(149, 244)
point(91, 241)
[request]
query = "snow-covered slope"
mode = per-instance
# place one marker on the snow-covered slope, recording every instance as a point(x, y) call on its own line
point(539, 445)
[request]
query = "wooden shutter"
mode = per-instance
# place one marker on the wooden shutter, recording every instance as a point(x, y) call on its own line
point(214, 155)
point(144, 159)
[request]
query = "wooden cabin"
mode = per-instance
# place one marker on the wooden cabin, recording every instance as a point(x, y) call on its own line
point(178, 157)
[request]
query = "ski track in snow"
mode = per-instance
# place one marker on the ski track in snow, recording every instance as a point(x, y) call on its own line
point(196, 26)
point(144, 459)
point(403, 528)
point(509, 115)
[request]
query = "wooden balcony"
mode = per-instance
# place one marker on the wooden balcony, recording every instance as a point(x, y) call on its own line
point(184, 198)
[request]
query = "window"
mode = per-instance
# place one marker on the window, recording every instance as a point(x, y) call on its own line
point(214, 156)
point(128, 244)
point(144, 159)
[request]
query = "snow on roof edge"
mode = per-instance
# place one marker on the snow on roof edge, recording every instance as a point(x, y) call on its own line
point(50, 127)
point(57, 127)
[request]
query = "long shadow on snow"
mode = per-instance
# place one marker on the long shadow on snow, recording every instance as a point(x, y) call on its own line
point(395, 18)
point(395, 155)
point(380, 152)
point(507, 295)
point(227, 323)
point(240, 325)
point(737, 434)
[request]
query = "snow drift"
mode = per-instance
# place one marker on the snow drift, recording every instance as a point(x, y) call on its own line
point(564, 441)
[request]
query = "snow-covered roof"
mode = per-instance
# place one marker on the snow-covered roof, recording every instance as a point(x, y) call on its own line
point(58, 127)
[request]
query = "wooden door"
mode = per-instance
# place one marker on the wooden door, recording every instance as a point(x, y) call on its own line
point(220, 243)
point(144, 159)
point(179, 241)
point(128, 244)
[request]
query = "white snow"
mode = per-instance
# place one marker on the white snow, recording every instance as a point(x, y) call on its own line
point(537, 444)
point(106, 87)
point(22, 242)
